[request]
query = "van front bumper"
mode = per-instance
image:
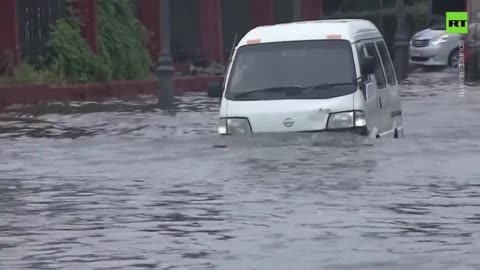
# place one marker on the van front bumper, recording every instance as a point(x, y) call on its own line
point(356, 130)
point(363, 131)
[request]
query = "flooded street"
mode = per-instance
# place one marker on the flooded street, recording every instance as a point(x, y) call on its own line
point(121, 185)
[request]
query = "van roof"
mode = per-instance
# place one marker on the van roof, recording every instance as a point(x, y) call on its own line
point(347, 29)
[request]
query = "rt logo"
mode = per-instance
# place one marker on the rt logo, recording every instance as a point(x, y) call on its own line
point(457, 22)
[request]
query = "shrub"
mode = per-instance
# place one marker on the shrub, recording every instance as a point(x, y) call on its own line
point(70, 56)
point(122, 40)
point(123, 54)
point(28, 74)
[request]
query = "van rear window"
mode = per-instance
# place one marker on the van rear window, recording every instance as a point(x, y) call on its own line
point(289, 70)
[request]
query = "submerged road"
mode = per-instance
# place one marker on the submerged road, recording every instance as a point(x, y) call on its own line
point(121, 185)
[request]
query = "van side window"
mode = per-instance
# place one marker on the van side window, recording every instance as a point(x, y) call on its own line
point(362, 52)
point(379, 75)
point(387, 62)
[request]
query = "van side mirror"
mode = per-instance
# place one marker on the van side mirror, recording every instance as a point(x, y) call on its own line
point(215, 89)
point(367, 66)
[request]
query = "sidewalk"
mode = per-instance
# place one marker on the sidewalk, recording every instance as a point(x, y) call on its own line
point(44, 93)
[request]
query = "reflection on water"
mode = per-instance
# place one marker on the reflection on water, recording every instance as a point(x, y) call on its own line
point(121, 185)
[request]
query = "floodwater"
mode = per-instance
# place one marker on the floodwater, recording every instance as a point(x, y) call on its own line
point(121, 185)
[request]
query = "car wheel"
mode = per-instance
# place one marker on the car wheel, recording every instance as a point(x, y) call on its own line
point(454, 58)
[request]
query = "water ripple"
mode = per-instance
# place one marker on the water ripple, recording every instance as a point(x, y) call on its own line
point(122, 185)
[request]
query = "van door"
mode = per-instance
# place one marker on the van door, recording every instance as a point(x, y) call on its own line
point(384, 120)
point(371, 94)
point(392, 92)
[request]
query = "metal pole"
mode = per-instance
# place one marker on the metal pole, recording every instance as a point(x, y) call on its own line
point(430, 11)
point(380, 16)
point(297, 10)
point(165, 69)
point(401, 42)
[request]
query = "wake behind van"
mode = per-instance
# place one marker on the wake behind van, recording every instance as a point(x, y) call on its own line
point(327, 75)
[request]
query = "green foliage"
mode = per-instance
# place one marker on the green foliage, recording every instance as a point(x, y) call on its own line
point(122, 40)
point(71, 57)
point(123, 54)
point(28, 74)
point(25, 73)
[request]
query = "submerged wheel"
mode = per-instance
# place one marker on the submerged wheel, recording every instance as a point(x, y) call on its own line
point(373, 134)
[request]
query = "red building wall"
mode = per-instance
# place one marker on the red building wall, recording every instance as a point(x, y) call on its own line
point(312, 9)
point(211, 40)
point(9, 41)
point(149, 13)
point(86, 10)
point(210, 24)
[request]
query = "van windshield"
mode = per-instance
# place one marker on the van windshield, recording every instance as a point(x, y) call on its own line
point(292, 70)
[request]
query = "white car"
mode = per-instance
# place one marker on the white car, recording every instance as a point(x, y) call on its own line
point(330, 75)
point(434, 47)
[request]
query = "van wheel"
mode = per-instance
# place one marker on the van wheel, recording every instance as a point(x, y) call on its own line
point(373, 134)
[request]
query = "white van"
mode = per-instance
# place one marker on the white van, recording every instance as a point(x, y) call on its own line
point(327, 75)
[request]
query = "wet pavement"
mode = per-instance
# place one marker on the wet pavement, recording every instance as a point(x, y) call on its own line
point(121, 185)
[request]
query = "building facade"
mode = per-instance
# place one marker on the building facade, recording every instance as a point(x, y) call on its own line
point(207, 29)
point(473, 7)
point(200, 29)
point(203, 29)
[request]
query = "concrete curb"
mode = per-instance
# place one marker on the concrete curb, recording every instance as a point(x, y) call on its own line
point(44, 93)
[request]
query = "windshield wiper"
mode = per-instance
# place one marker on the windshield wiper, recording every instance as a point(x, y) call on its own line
point(295, 89)
point(270, 89)
point(323, 86)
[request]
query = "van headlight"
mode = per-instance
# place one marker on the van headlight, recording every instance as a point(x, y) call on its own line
point(347, 120)
point(234, 126)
